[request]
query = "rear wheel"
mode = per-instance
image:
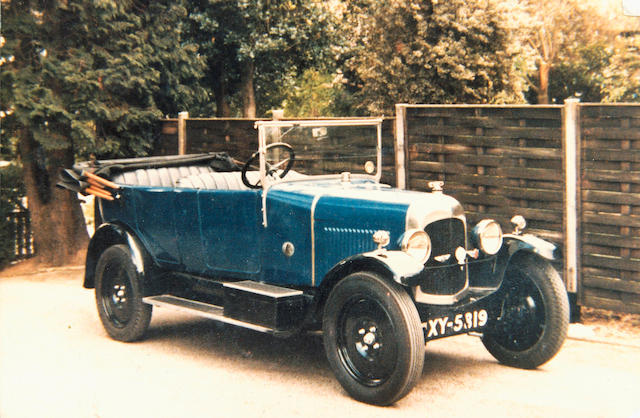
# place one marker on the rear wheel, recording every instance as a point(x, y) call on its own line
point(119, 295)
point(534, 316)
point(373, 338)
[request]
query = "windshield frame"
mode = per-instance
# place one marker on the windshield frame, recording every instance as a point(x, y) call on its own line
point(264, 125)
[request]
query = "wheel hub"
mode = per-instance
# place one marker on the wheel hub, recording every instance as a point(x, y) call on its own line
point(119, 294)
point(367, 344)
point(522, 319)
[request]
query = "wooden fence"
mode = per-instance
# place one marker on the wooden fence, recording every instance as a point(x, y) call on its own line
point(610, 215)
point(23, 238)
point(530, 160)
point(505, 160)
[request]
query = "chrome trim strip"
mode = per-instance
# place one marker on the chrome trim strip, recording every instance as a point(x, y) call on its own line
point(313, 237)
point(379, 152)
point(265, 190)
point(419, 216)
point(136, 254)
point(318, 122)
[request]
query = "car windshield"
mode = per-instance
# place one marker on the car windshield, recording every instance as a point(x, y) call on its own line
point(322, 147)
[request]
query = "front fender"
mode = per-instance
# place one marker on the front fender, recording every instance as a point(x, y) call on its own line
point(396, 265)
point(524, 244)
point(532, 244)
point(106, 235)
point(392, 265)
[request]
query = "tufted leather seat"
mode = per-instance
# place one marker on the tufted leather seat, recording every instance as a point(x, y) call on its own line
point(218, 181)
point(159, 177)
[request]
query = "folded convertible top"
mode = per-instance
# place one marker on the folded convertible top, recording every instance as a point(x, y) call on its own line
point(92, 177)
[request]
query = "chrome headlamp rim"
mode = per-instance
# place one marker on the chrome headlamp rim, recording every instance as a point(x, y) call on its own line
point(487, 235)
point(417, 244)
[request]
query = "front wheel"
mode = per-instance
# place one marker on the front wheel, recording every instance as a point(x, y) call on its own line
point(373, 338)
point(534, 315)
point(119, 295)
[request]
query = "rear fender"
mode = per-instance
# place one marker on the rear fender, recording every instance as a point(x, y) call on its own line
point(109, 234)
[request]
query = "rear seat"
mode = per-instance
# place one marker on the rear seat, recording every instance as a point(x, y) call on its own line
point(226, 180)
point(218, 181)
point(190, 177)
point(160, 177)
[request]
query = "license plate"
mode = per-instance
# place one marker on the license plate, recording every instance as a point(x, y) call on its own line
point(456, 324)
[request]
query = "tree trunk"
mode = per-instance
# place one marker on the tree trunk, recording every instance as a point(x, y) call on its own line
point(59, 231)
point(223, 110)
point(543, 88)
point(247, 91)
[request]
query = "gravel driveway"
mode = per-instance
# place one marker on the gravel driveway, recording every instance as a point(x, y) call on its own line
point(56, 361)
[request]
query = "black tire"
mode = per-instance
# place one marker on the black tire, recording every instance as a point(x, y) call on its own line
point(119, 295)
point(373, 338)
point(534, 316)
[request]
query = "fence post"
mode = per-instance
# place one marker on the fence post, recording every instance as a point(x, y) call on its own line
point(182, 132)
point(572, 155)
point(401, 169)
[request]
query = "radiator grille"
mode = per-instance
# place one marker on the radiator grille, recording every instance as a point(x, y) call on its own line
point(445, 278)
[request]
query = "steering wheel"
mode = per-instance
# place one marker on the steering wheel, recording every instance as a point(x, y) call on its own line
point(276, 168)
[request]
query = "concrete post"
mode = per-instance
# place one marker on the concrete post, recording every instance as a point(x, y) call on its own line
point(182, 132)
point(571, 154)
point(401, 171)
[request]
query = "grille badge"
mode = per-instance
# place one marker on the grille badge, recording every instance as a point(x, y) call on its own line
point(461, 255)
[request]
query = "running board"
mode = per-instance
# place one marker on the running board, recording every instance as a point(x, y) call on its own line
point(203, 309)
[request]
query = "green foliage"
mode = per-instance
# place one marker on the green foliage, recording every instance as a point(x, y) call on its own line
point(95, 76)
point(274, 41)
point(621, 81)
point(317, 94)
point(582, 76)
point(586, 46)
point(452, 51)
point(11, 191)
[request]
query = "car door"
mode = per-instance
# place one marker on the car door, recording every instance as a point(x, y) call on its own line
point(231, 231)
point(155, 222)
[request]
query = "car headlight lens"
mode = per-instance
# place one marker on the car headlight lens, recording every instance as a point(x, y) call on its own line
point(488, 236)
point(417, 244)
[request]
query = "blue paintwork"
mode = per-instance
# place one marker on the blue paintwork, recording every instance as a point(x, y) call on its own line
point(289, 220)
point(346, 216)
point(230, 230)
point(220, 232)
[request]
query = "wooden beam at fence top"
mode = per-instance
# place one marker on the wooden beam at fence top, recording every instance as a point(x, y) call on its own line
point(571, 153)
point(182, 132)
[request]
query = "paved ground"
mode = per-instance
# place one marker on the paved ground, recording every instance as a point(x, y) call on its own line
point(56, 361)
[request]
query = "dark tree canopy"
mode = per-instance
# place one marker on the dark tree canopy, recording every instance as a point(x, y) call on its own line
point(454, 51)
point(255, 49)
point(87, 78)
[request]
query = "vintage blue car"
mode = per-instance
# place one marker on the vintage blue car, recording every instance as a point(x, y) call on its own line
point(303, 236)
